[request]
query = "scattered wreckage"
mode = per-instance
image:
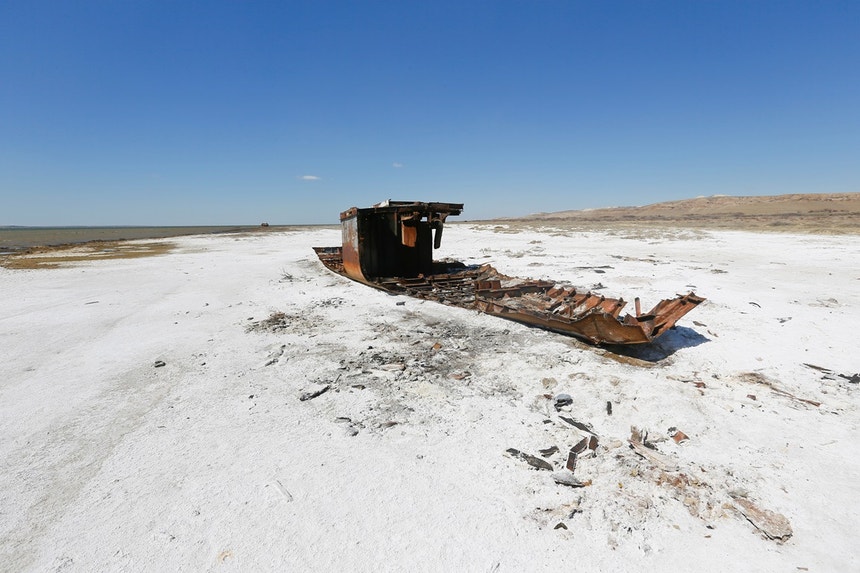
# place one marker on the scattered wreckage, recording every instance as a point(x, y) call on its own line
point(390, 245)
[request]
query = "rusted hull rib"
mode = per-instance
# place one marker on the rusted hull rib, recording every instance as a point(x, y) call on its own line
point(597, 325)
point(587, 316)
point(389, 246)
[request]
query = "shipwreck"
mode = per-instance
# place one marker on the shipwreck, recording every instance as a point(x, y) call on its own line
point(390, 245)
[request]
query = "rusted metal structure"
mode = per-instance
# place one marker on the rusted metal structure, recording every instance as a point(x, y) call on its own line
point(393, 238)
point(390, 246)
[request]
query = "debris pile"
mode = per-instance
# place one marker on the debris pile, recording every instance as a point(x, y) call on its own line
point(698, 490)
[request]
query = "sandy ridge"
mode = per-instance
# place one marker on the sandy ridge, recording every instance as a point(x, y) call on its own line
point(809, 213)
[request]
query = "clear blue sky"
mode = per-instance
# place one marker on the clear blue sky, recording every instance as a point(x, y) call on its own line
point(172, 113)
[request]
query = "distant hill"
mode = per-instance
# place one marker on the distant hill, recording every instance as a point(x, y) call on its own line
point(834, 212)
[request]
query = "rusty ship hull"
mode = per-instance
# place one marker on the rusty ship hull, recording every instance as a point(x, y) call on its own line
point(389, 247)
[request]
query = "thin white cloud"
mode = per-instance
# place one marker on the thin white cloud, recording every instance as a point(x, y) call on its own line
point(397, 164)
point(309, 178)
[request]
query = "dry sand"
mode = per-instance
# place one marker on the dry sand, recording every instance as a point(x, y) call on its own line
point(804, 213)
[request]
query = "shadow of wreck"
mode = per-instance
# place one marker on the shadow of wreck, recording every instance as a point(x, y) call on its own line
point(669, 342)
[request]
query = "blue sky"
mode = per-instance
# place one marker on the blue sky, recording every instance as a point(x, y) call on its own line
point(174, 113)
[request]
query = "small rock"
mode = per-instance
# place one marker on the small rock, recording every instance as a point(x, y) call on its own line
point(608, 408)
point(566, 478)
point(159, 363)
point(562, 400)
point(401, 303)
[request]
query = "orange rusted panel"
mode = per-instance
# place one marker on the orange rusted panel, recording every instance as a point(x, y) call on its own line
point(409, 234)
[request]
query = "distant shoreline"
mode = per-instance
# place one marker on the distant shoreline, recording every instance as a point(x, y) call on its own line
point(18, 238)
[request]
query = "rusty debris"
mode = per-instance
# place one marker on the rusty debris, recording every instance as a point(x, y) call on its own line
point(680, 437)
point(314, 393)
point(531, 460)
point(571, 459)
point(547, 452)
point(771, 524)
point(390, 246)
point(578, 425)
point(655, 459)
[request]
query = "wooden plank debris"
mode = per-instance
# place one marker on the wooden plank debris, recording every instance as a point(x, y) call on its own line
point(771, 524)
